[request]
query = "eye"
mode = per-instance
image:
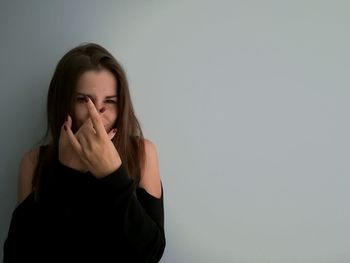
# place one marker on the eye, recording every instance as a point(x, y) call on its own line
point(111, 101)
point(80, 99)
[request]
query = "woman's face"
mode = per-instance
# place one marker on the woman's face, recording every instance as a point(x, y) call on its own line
point(101, 87)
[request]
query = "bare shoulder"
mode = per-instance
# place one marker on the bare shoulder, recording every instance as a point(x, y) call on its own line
point(150, 146)
point(150, 174)
point(31, 155)
point(27, 167)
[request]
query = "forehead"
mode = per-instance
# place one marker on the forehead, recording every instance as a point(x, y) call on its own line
point(97, 82)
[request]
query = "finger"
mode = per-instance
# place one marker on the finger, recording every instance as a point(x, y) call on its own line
point(73, 140)
point(86, 137)
point(87, 128)
point(62, 133)
point(82, 152)
point(95, 117)
point(84, 142)
point(90, 125)
point(88, 133)
point(69, 121)
point(112, 133)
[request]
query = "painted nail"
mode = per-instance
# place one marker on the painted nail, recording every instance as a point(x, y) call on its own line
point(102, 110)
point(86, 98)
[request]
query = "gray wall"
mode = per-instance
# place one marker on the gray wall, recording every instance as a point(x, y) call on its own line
point(247, 102)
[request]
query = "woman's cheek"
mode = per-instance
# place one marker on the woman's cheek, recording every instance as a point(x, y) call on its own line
point(81, 112)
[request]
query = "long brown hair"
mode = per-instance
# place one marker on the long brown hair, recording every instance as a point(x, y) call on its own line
point(129, 140)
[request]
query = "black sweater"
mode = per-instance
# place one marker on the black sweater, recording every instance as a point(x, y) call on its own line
point(84, 219)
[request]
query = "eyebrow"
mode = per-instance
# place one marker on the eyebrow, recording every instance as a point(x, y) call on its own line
point(108, 97)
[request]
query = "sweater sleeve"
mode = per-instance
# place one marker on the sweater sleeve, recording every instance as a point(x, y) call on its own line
point(141, 214)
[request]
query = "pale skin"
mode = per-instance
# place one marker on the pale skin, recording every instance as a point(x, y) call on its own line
point(90, 148)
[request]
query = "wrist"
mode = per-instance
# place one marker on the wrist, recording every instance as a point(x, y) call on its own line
point(105, 173)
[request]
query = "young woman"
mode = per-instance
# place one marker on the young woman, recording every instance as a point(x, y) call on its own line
point(93, 192)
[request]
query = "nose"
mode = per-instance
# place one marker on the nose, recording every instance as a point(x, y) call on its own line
point(99, 107)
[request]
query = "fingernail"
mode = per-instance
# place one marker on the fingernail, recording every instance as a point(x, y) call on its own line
point(65, 127)
point(114, 130)
point(102, 110)
point(86, 98)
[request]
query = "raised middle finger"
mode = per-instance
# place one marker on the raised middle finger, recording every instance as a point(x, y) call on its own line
point(95, 117)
